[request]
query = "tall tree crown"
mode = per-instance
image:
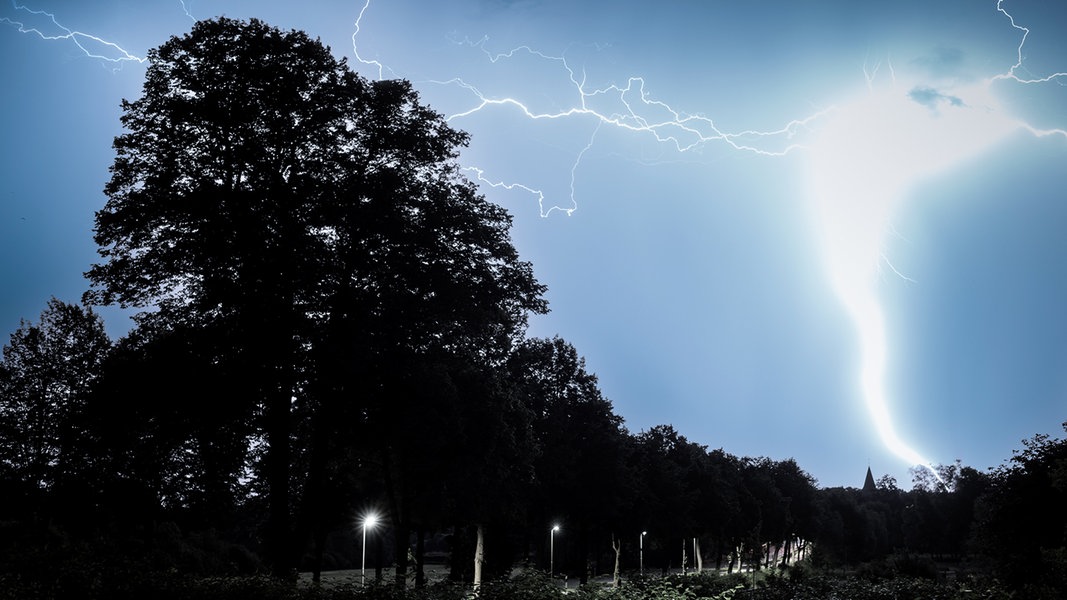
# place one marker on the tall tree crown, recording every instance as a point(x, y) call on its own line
point(257, 169)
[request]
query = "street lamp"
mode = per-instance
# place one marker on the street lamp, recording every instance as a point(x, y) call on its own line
point(552, 551)
point(641, 543)
point(369, 521)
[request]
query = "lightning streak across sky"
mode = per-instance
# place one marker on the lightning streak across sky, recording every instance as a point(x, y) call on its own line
point(864, 154)
point(48, 28)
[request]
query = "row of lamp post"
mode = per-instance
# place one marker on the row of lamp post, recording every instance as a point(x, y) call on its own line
point(371, 520)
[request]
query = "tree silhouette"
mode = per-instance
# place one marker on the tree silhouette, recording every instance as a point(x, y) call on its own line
point(318, 222)
point(1022, 524)
point(47, 371)
point(580, 466)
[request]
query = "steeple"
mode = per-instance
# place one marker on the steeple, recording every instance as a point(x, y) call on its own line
point(868, 483)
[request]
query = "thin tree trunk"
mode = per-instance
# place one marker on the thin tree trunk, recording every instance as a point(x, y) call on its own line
point(683, 556)
point(401, 541)
point(397, 508)
point(696, 552)
point(479, 557)
point(278, 457)
point(616, 544)
point(420, 556)
point(320, 550)
point(379, 554)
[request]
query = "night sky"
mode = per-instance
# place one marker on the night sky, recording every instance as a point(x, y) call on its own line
point(832, 231)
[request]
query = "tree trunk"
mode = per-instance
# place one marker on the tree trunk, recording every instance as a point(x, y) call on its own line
point(401, 541)
point(420, 558)
point(616, 544)
point(698, 558)
point(313, 518)
point(379, 554)
point(278, 457)
point(397, 509)
point(683, 556)
point(583, 552)
point(320, 550)
point(479, 556)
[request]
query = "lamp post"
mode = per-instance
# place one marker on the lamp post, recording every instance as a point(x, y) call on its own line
point(369, 521)
point(552, 551)
point(641, 543)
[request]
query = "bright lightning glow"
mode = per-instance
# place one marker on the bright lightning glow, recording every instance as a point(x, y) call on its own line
point(875, 148)
point(864, 154)
point(861, 167)
point(91, 45)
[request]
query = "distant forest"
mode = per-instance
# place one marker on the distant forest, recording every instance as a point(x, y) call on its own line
point(333, 326)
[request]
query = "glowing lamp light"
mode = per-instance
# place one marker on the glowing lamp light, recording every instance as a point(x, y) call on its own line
point(369, 522)
point(552, 551)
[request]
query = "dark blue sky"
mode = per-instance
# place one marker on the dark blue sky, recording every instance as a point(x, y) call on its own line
point(789, 170)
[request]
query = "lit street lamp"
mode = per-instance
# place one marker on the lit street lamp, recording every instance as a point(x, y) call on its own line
point(642, 545)
point(369, 521)
point(552, 551)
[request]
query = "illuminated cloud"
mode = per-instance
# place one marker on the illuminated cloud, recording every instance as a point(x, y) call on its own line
point(931, 98)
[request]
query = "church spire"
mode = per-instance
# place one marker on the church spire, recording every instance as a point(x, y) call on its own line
point(868, 483)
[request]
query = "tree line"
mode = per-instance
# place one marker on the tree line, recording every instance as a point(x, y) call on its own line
point(333, 323)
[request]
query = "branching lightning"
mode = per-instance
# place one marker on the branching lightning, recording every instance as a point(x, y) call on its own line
point(864, 154)
point(1012, 72)
point(185, 9)
point(630, 107)
point(91, 45)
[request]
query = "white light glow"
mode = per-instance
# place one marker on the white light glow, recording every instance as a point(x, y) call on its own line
point(871, 152)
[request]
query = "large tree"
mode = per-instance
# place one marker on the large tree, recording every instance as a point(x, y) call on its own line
point(316, 220)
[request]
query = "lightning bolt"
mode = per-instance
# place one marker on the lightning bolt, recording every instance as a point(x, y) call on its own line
point(377, 66)
point(630, 107)
point(185, 9)
point(1012, 72)
point(863, 154)
point(90, 45)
